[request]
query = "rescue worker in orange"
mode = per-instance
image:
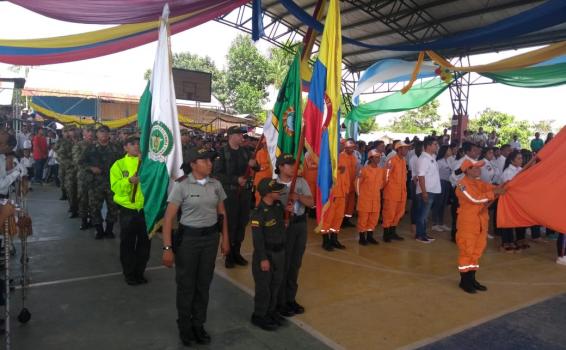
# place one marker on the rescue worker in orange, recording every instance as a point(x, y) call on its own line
point(352, 166)
point(395, 192)
point(474, 198)
point(332, 220)
point(368, 187)
point(310, 173)
point(264, 164)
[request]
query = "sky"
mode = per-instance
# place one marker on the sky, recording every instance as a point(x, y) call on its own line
point(123, 72)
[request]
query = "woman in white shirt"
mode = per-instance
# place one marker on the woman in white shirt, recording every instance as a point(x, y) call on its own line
point(511, 243)
point(444, 161)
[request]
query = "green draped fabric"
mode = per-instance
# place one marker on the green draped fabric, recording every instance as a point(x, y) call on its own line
point(419, 95)
point(532, 77)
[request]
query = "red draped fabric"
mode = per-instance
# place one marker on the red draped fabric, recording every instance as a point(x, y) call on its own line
point(537, 196)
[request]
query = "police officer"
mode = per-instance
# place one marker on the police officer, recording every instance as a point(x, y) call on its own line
point(296, 233)
point(134, 241)
point(268, 262)
point(84, 177)
point(201, 200)
point(97, 160)
point(232, 168)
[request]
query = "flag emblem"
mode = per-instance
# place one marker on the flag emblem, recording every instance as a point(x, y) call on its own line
point(161, 142)
point(289, 121)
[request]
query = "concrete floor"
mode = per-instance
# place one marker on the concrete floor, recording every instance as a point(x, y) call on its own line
point(399, 295)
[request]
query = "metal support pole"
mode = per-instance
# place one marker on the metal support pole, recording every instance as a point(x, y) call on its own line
point(7, 245)
point(459, 95)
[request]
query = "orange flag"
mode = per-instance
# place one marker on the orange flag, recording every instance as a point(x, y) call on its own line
point(537, 196)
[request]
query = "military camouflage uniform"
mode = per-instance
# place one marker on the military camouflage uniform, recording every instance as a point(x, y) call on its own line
point(59, 147)
point(67, 172)
point(102, 157)
point(84, 177)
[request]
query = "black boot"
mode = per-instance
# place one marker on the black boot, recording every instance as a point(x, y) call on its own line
point(63, 196)
point(387, 234)
point(394, 235)
point(335, 242)
point(370, 238)
point(238, 258)
point(84, 224)
point(201, 336)
point(476, 284)
point(326, 244)
point(347, 223)
point(186, 334)
point(363, 240)
point(229, 262)
point(74, 214)
point(466, 282)
point(109, 233)
point(99, 231)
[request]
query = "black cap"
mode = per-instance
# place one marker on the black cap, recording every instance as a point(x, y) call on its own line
point(103, 128)
point(198, 153)
point(132, 139)
point(284, 158)
point(237, 130)
point(268, 185)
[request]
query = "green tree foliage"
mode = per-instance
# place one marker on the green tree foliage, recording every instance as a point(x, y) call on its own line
point(543, 126)
point(422, 120)
point(367, 126)
point(505, 125)
point(280, 58)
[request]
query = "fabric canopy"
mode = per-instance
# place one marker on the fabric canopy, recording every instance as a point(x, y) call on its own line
point(113, 11)
point(543, 183)
point(546, 15)
point(398, 102)
point(532, 77)
point(104, 42)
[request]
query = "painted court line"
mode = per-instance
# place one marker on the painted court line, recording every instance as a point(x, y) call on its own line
point(310, 330)
point(440, 336)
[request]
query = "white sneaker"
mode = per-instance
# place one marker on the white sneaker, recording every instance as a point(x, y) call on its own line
point(446, 228)
point(437, 228)
point(561, 260)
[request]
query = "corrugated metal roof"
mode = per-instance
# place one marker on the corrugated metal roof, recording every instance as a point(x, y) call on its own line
point(388, 22)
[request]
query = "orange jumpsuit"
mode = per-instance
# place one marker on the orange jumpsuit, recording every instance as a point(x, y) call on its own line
point(395, 192)
point(472, 222)
point(264, 163)
point(351, 163)
point(369, 185)
point(333, 216)
point(310, 173)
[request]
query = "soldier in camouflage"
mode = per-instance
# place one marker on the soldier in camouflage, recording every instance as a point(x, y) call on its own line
point(61, 144)
point(84, 177)
point(97, 160)
point(71, 173)
point(65, 159)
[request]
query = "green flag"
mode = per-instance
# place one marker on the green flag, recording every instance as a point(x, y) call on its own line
point(287, 112)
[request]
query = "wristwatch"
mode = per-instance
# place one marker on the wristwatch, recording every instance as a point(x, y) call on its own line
point(167, 247)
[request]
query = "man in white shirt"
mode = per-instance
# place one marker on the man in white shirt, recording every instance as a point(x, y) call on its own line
point(515, 144)
point(428, 186)
point(481, 138)
point(500, 161)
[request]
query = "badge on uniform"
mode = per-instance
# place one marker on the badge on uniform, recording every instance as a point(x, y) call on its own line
point(125, 173)
point(270, 223)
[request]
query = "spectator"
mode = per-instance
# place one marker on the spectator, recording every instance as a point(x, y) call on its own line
point(40, 153)
point(445, 138)
point(480, 138)
point(549, 137)
point(492, 139)
point(536, 143)
point(428, 187)
point(515, 144)
point(444, 171)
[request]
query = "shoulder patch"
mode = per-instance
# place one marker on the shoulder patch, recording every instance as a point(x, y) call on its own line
point(255, 223)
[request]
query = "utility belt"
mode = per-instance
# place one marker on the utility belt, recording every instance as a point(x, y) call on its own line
point(299, 218)
point(275, 248)
point(198, 231)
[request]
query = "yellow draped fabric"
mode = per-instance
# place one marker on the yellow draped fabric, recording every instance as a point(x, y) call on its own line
point(415, 74)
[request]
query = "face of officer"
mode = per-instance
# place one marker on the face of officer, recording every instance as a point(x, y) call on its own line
point(133, 148)
point(201, 167)
point(403, 150)
point(102, 136)
point(275, 196)
point(474, 172)
point(88, 135)
point(236, 139)
point(375, 159)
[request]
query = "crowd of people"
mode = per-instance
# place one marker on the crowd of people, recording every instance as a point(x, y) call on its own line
point(230, 183)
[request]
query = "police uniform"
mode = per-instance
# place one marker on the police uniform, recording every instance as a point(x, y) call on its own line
point(195, 244)
point(134, 241)
point(102, 157)
point(228, 167)
point(84, 179)
point(268, 232)
point(295, 242)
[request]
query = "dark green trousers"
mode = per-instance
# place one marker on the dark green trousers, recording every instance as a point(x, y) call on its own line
point(267, 283)
point(194, 267)
point(295, 245)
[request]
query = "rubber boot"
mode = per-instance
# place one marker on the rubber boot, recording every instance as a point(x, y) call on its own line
point(326, 244)
point(84, 224)
point(476, 284)
point(346, 222)
point(466, 282)
point(109, 233)
point(394, 236)
point(363, 240)
point(370, 238)
point(335, 242)
point(387, 234)
point(99, 231)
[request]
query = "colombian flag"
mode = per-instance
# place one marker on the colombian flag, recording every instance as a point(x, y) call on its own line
point(322, 115)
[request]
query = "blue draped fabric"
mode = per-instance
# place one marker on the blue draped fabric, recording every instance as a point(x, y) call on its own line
point(67, 105)
point(546, 15)
point(257, 20)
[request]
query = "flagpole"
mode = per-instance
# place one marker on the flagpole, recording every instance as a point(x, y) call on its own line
point(295, 173)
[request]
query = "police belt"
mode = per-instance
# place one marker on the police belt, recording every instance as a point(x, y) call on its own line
point(198, 231)
point(275, 248)
point(299, 218)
